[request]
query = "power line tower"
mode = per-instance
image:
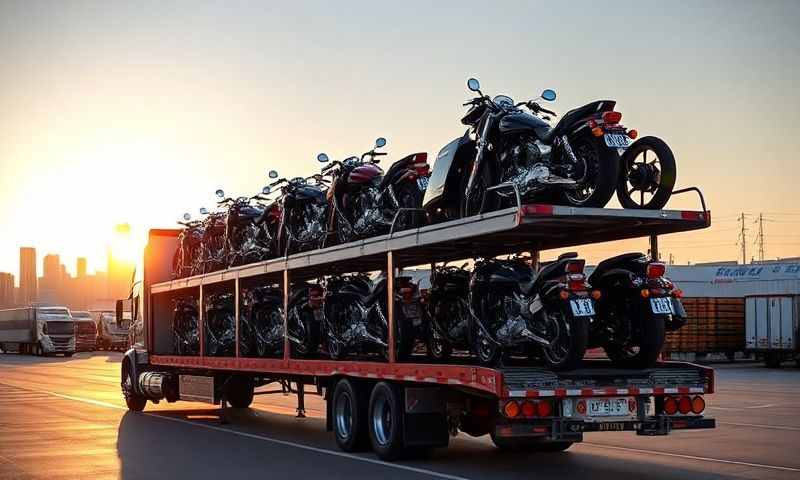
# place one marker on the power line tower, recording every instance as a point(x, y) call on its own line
point(742, 240)
point(760, 237)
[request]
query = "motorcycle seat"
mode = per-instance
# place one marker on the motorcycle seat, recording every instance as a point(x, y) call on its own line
point(612, 263)
point(575, 115)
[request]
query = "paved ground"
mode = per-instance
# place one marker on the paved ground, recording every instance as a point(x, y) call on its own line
point(64, 418)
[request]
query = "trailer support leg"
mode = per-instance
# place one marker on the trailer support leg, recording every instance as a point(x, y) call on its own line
point(301, 400)
point(654, 247)
point(223, 413)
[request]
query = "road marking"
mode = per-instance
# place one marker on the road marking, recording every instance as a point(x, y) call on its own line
point(693, 457)
point(334, 453)
point(768, 405)
point(758, 425)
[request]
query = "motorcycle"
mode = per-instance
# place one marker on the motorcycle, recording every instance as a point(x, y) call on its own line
point(517, 311)
point(638, 305)
point(246, 238)
point(447, 304)
point(510, 152)
point(185, 335)
point(355, 316)
point(304, 211)
point(220, 325)
point(365, 202)
point(261, 322)
point(305, 319)
point(212, 243)
point(186, 255)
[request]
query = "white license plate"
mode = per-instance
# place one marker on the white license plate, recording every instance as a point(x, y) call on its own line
point(616, 140)
point(607, 407)
point(661, 305)
point(582, 307)
point(422, 183)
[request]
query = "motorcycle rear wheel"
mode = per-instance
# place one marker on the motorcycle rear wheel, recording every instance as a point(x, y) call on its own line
point(568, 351)
point(309, 346)
point(651, 337)
point(601, 162)
point(655, 178)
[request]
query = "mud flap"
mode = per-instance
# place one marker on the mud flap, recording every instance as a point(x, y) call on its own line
point(425, 422)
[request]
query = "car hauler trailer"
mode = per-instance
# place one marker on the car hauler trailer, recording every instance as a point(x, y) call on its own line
point(396, 406)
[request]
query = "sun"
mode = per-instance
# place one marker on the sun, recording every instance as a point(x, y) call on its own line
point(124, 248)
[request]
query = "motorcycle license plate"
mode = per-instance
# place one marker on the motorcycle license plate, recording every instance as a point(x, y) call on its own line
point(661, 305)
point(422, 183)
point(615, 140)
point(607, 407)
point(582, 307)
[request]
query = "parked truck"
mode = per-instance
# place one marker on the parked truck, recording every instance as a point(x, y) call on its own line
point(772, 327)
point(37, 331)
point(85, 331)
point(397, 407)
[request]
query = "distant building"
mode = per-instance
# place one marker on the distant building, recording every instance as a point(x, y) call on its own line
point(7, 297)
point(28, 291)
point(50, 291)
point(80, 267)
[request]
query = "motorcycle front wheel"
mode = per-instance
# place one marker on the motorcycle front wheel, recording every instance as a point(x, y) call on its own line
point(409, 196)
point(599, 166)
point(569, 337)
point(478, 200)
point(646, 183)
point(311, 337)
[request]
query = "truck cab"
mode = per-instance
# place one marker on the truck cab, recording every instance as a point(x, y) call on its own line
point(85, 331)
point(57, 330)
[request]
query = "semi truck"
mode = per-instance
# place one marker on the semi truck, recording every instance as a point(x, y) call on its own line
point(85, 331)
point(400, 407)
point(37, 331)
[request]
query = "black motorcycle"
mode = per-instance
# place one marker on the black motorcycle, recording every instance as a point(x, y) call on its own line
point(365, 202)
point(638, 305)
point(186, 257)
point(220, 325)
point(247, 239)
point(447, 304)
point(212, 243)
point(305, 319)
point(355, 317)
point(261, 322)
point(185, 334)
point(304, 213)
point(542, 315)
point(507, 144)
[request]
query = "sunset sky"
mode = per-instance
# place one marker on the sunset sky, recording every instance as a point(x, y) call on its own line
point(136, 112)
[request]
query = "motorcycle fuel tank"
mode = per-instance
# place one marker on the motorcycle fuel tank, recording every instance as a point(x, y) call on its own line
point(524, 122)
point(309, 192)
point(364, 174)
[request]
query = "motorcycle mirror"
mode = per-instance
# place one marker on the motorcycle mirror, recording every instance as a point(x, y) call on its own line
point(266, 191)
point(380, 142)
point(474, 85)
point(549, 95)
point(187, 217)
point(322, 158)
point(272, 174)
point(203, 211)
point(220, 193)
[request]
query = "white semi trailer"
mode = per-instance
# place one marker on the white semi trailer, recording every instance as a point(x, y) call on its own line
point(37, 331)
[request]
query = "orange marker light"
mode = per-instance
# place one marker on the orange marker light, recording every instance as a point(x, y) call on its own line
point(632, 134)
point(670, 406)
point(645, 293)
point(597, 132)
point(511, 409)
point(596, 294)
point(563, 294)
point(698, 405)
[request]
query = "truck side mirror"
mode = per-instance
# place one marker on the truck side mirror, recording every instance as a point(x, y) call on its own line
point(119, 313)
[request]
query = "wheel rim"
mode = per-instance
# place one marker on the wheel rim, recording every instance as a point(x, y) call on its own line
point(475, 198)
point(344, 416)
point(559, 335)
point(586, 152)
point(382, 420)
point(644, 177)
point(486, 348)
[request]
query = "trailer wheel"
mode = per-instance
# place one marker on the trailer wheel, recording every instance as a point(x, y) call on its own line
point(530, 445)
point(386, 421)
point(239, 391)
point(349, 411)
point(134, 402)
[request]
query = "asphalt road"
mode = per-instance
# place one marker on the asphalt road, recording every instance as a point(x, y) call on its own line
point(64, 418)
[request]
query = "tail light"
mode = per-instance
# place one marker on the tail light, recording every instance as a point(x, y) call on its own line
point(612, 117)
point(698, 405)
point(420, 165)
point(670, 406)
point(684, 405)
point(576, 282)
point(575, 266)
point(544, 408)
point(511, 409)
point(656, 269)
point(529, 409)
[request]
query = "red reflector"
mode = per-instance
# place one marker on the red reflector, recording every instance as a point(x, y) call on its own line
point(539, 429)
point(631, 405)
point(612, 117)
point(511, 409)
point(684, 405)
point(581, 407)
point(670, 406)
point(698, 405)
point(544, 409)
point(529, 409)
point(575, 266)
point(536, 209)
point(656, 269)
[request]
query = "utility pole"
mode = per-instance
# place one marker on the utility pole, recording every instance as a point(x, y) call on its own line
point(743, 238)
point(760, 237)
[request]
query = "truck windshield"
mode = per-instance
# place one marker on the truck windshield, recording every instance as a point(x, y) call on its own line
point(111, 326)
point(85, 327)
point(53, 313)
point(59, 328)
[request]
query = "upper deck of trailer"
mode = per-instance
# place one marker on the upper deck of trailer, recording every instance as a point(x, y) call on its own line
point(532, 227)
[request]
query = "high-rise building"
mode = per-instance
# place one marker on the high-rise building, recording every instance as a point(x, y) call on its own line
point(51, 280)
point(7, 299)
point(80, 267)
point(27, 276)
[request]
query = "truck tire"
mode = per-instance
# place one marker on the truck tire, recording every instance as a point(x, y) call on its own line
point(386, 414)
point(134, 401)
point(239, 391)
point(349, 412)
point(530, 445)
